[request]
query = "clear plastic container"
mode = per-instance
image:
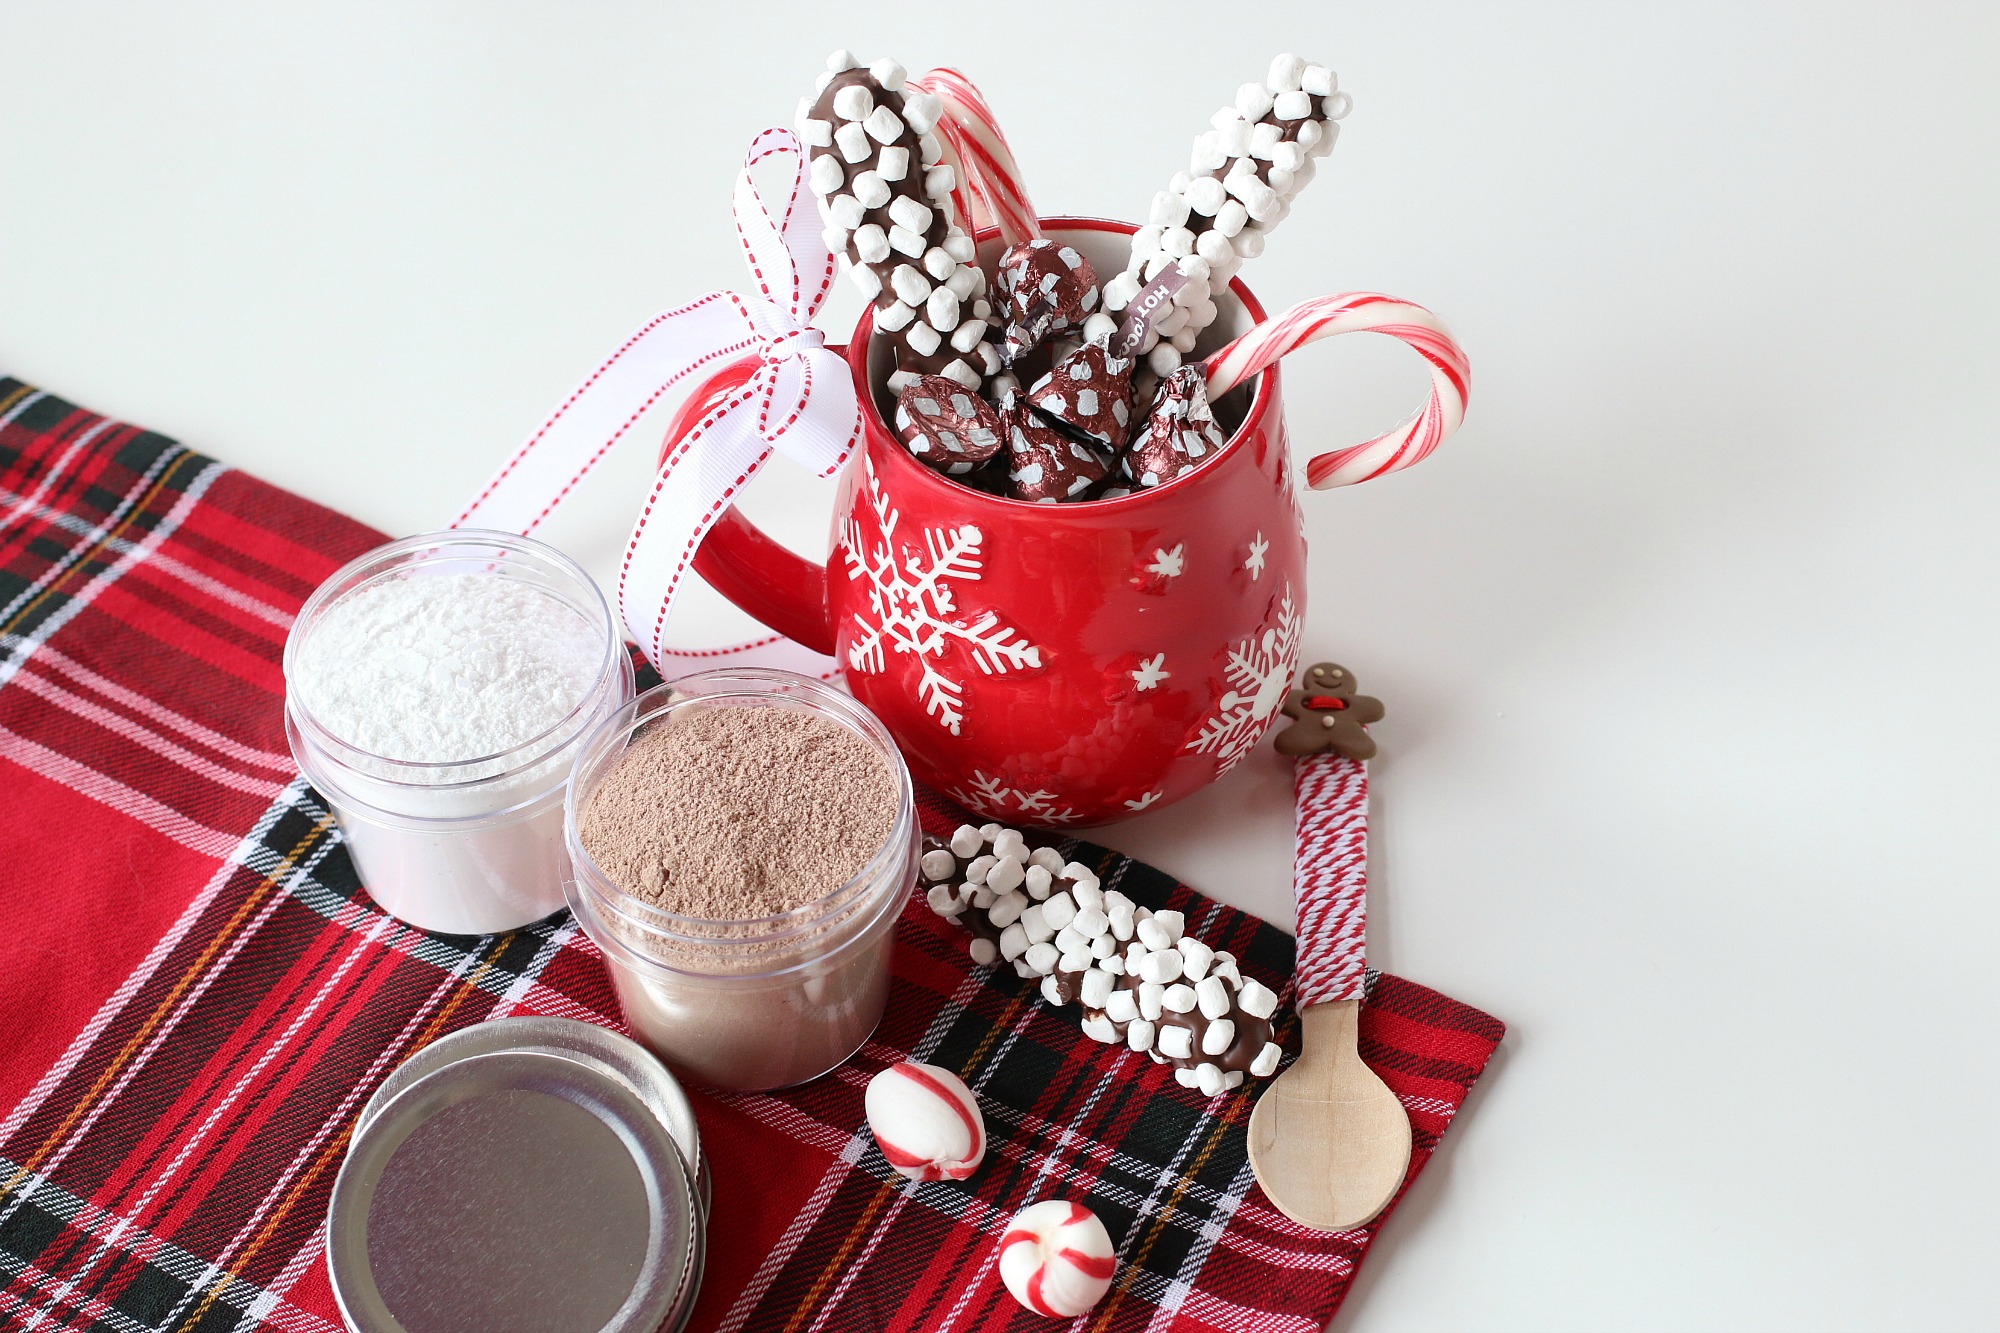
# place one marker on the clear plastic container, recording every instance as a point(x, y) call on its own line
point(474, 846)
point(760, 1004)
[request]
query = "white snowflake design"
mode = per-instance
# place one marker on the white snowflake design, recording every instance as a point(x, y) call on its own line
point(1145, 800)
point(1149, 673)
point(1168, 564)
point(915, 611)
point(988, 795)
point(1259, 671)
point(1254, 562)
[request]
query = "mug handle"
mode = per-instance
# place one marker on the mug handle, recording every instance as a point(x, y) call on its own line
point(786, 591)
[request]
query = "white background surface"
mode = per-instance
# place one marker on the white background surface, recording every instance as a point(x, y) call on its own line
point(1687, 639)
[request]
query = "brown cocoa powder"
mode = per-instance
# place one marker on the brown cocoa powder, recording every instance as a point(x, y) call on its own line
point(731, 813)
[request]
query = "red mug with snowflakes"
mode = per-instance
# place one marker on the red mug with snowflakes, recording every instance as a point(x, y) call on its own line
point(1051, 664)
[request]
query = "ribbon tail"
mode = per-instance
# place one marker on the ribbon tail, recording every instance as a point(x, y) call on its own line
point(706, 470)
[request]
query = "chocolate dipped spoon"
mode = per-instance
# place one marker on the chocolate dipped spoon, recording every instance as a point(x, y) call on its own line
point(1329, 1141)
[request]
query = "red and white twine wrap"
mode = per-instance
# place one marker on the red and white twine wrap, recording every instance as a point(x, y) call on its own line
point(1358, 312)
point(800, 402)
point(986, 164)
point(1330, 875)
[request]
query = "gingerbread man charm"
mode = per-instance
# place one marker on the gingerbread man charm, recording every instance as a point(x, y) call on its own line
point(1330, 715)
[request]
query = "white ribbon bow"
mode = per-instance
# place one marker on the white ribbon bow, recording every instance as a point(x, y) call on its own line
point(800, 401)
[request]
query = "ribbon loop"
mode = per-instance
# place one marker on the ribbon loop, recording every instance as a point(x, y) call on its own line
point(800, 401)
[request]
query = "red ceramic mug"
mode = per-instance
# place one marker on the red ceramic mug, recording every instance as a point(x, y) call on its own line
point(1049, 664)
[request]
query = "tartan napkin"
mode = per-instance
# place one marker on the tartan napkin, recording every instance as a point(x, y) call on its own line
point(201, 995)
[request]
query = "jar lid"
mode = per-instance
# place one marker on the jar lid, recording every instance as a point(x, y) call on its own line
point(514, 1188)
point(587, 1043)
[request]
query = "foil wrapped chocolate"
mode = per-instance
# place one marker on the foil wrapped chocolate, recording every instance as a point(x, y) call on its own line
point(946, 425)
point(1088, 393)
point(1045, 287)
point(1179, 434)
point(1044, 464)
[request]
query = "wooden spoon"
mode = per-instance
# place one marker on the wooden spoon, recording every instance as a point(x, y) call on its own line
point(1328, 1140)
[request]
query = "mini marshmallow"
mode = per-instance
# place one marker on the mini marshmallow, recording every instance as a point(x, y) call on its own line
point(1048, 858)
point(1164, 359)
point(1266, 1063)
point(1110, 962)
point(1249, 242)
point(1213, 246)
point(1099, 1029)
point(1150, 994)
point(854, 143)
point(982, 897)
point(1235, 136)
point(1209, 1079)
point(871, 243)
point(1098, 328)
point(1292, 106)
point(922, 339)
point(1037, 925)
point(1013, 942)
point(1212, 996)
point(1337, 107)
point(1090, 921)
point(841, 61)
point(1177, 242)
point(939, 181)
point(1139, 1035)
point(1153, 935)
point(907, 212)
point(925, 1122)
point(1195, 957)
point(893, 163)
point(1059, 911)
point(942, 312)
point(1041, 958)
point(1206, 196)
point(883, 125)
point(1232, 1079)
point(1006, 909)
point(965, 840)
point(1169, 210)
point(1122, 1006)
point(1174, 923)
point(1096, 988)
point(1256, 999)
point(1052, 991)
point(1056, 1259)
point(825, 176)
point(939, 264)
point(1073, 960)
point(1005, 876)
point(981, 867)
point(1286, 72)
point(1175, 1042)
point(1009, 842)
point(1039, 880)
point(871, 190)
point(1220, 1034)
point(835, 239)
point(938, 864)
point(1208, 154)
point(1070, 942)
point(1103, 946)
point(1263, 139)
point(913, 289)
point(922, 111)
point(1177, 998)
point(943, 901)
point(845, 211)
point(984, 952)
point(964, 282)
point(1252, 99)
point(989, 831)
point(889, 74)
point(1318, 80)
point(1162, 967)
point(813, 133)
point(894, 317)
point(1287, 157)
point(854, 102)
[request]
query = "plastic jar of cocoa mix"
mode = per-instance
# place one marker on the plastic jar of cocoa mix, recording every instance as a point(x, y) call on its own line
point(727, 993)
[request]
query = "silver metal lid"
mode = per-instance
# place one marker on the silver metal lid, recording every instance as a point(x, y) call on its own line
point(514, 1189)
point(585, 1043)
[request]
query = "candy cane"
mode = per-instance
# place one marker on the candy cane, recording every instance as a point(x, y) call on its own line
point(1351, 312)
point(975, 139)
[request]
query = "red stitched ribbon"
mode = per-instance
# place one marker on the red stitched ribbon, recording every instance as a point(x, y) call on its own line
point(800, 402)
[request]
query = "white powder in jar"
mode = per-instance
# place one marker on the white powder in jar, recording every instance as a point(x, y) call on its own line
point(447, 668)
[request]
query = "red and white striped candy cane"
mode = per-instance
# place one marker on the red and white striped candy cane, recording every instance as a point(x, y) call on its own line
point(986, 163)
point(1358, 312)
point(1330, 875)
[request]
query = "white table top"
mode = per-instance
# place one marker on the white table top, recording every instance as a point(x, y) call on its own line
point(1689, 766)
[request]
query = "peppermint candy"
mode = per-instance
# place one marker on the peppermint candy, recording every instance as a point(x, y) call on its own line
point(1056, 1258)
point(925, 1122)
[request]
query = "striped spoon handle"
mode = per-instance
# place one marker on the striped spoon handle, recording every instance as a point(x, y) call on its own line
point(1330, 875)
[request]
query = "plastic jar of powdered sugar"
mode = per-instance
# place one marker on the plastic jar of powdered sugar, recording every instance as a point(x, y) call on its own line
point(436, 692)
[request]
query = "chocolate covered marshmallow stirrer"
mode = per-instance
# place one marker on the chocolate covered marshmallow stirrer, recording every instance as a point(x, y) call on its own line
point(1239, 183)
point(885, 196)
point(1329, 1141)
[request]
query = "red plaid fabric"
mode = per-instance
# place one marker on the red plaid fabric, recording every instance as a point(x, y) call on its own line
point(202, 995)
